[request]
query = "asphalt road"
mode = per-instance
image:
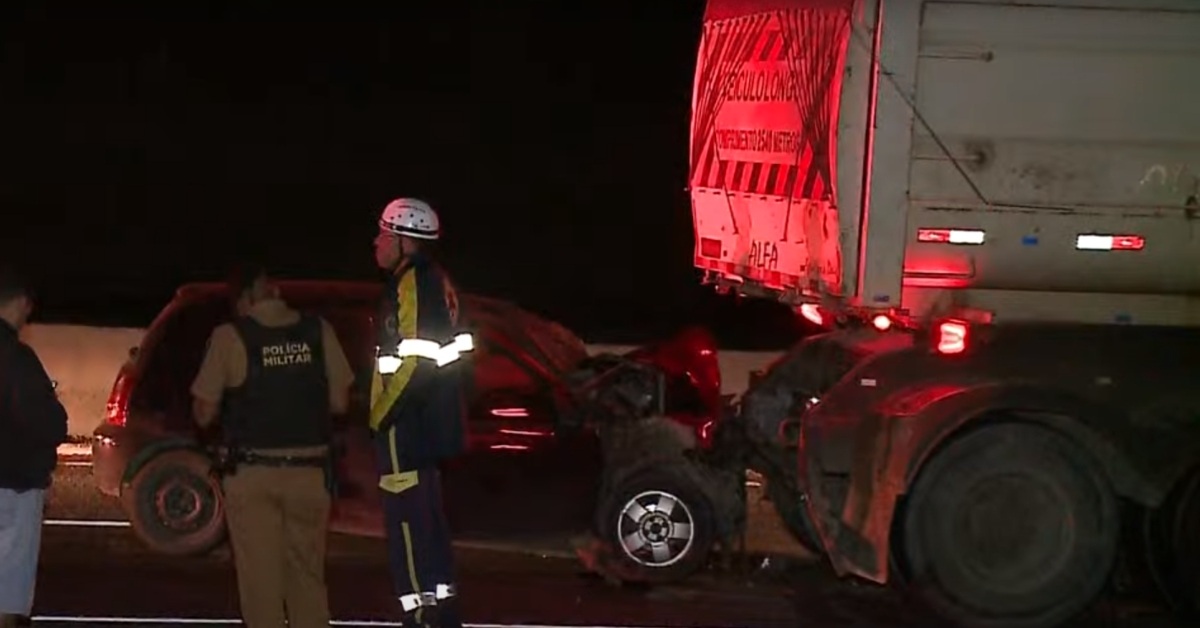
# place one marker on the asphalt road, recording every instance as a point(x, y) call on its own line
point(92, 573)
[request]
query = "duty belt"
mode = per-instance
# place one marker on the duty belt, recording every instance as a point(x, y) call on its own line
point(269, 460)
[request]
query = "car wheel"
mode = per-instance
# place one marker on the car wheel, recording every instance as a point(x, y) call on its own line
point(660, 526)
point(1012, 526)
point(175, 504)
point(1171, 534)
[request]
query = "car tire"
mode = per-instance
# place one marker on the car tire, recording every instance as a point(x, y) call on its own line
point(1171, 534)
point(652, 546)
point(1010, 526)
point(175, 504)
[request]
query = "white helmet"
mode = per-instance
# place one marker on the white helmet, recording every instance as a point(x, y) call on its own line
point(410, 217)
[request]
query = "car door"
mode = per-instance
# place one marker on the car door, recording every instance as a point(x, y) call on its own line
point(522, 478)
point(356, 510)
point(162, 403)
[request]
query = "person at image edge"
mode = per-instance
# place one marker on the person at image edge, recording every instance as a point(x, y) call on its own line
point(32, 425)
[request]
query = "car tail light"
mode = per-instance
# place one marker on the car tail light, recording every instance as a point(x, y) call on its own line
point(116, 411)
point(812, 314)
point(951, 337)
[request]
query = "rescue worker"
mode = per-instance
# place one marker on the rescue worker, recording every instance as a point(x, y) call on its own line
point(417, 410)
point(273, 378)
point(32, 425)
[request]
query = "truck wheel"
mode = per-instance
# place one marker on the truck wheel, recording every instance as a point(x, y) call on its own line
point(175, 504)
point(660, 525)
point(1010, 526)
point(1172, 538)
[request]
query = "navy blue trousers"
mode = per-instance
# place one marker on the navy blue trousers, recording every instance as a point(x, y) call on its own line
point(419, 546)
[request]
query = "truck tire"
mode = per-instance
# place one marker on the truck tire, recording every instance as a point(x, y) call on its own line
point(175, 504)
point(651, 545)
point(1010, 526)
point(1172, 543)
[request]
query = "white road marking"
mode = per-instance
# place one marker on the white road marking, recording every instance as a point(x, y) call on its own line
point(87, 619)
point(75, 449)
point(86, 523)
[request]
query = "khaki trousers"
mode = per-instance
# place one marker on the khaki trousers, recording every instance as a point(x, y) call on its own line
point(278, 520)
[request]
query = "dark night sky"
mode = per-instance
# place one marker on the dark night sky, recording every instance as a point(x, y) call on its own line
point(142, 151)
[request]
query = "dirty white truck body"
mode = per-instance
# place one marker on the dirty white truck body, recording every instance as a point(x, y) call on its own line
point(980, 152)
point(992, 206)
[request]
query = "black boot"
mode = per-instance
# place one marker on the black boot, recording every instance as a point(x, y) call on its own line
point(417, 619)
point(446, 614)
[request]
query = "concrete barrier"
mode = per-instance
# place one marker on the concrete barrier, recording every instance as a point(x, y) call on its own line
point(85, 360)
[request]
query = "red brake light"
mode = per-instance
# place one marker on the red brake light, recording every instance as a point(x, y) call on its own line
point(116, 411)
point(952, 337)
point(812, 314)
point(882, 322)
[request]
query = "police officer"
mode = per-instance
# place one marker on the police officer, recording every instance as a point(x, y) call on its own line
point(273, 378)
point(417, 410)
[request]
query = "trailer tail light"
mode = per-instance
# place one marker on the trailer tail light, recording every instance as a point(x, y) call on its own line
point(882, 322)
point(710, 247)
point(1098, 242)
point(951, 337)
point(812, 314)
point(951, 236)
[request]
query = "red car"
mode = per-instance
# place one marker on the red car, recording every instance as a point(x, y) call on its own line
point(532, 476)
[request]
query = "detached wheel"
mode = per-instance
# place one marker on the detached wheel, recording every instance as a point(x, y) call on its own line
point(1172, 538)
point(660, 526)
point(175, 504)
point(1010, 526)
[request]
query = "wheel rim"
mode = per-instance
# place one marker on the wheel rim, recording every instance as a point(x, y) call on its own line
point(656, 529)
point(180, 502)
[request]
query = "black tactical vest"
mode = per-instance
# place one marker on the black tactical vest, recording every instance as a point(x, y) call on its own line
point(284, 401)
